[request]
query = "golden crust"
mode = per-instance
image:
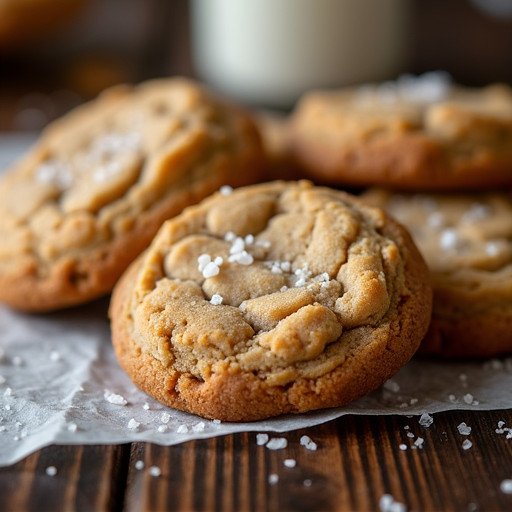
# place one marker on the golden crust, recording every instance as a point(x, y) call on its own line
point(66, 243)
point(465, 240)
point(460, 141)
point(261, 377)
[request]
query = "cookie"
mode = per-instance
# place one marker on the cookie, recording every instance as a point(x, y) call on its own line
point(279, 298)
point(418, 133)
point(466, 241)
point(95, 188)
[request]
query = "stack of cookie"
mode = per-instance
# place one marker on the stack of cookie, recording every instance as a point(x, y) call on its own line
point(443, 154)
point(273, 298)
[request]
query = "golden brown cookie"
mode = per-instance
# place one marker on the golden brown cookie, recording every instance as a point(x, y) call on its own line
point(278, 298)
point(418, 133)
point(467, 243)
point(92, 192)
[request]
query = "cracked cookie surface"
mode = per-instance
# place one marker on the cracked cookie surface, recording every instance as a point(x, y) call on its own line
point(418, 133)
point(92, 192)
point(466, 240)
point(278, 298)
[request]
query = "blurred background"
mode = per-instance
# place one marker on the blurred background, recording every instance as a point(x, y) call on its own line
point(55, 54)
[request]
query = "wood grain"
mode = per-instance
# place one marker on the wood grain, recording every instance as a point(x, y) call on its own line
point(357, 461)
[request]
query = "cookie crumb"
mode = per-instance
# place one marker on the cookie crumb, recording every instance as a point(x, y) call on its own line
point(463, 429)
point(426, 420)
point(467, 444)
point(261, 439)
point(51, 470)
point(273, 479)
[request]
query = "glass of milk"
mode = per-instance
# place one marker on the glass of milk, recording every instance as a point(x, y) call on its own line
point(268, 52)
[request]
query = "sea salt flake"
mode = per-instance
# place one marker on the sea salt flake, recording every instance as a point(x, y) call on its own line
point(468, 398)
point(467, 444)
point(72, 427)
point(249, 239)
point(55, 356)
point(426, 420)
point(419, 442)
point(226, 190)
point(261, 439)
point(449, 239)
point(402, 446)
point(506, 486)
point(210, 270)
point(198, 427)
point(182, 429)
point(3, 428)
point(216, 422)
point(139, 464)
point(202, 261)
point(162, 428)
point(165, 417)
point(307, 483)
point(17, 361)
point(51, 470)
point(391, 385)
point(493, 248)
point(146, 406)
point(115, 399)
point(219, 260)
point(463, 429)
point(155, 471)
point(133, 424)
point(273, 479)
point(410, 434)
point(229, 236)
point(8, 392)
point(277, 443)
point(290, 463)
point(216, 299)
point(243, 258)
point(237, 246)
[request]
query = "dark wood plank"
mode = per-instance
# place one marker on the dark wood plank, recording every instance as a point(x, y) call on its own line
point(358, 460)
point(87, 478)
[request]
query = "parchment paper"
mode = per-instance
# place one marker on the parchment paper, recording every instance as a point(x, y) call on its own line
point(61, 384)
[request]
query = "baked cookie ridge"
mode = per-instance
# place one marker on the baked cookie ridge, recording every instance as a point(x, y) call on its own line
point(92, 192)
point(278, 298)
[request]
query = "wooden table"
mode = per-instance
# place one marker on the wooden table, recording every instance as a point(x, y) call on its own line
point(357, 461)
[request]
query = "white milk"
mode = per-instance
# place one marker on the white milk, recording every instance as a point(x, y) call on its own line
point(268, 52)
